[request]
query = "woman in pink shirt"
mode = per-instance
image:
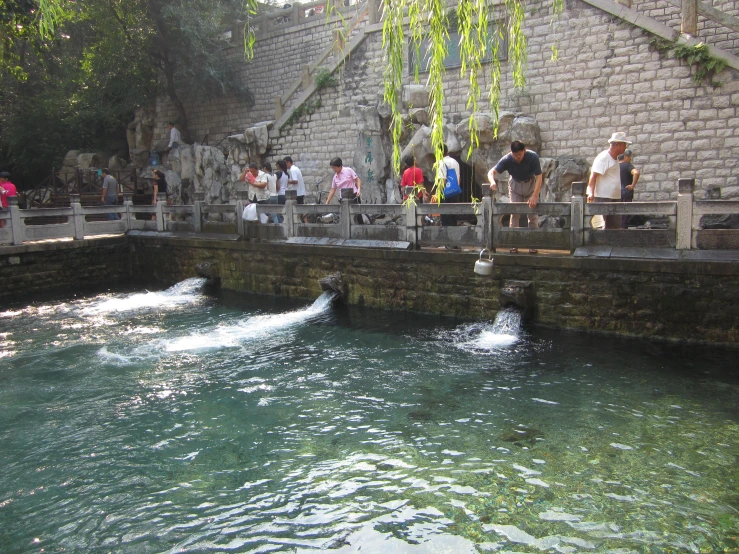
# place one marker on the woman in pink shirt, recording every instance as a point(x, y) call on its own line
point(344, 178)
point(6, 189)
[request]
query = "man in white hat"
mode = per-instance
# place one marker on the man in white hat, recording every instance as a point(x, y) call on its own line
point(605, 176)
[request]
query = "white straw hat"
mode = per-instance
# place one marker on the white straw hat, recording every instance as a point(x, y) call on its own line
point(619, 137)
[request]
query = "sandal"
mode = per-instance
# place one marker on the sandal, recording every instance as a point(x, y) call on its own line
point(533, 251)
point(514, 250)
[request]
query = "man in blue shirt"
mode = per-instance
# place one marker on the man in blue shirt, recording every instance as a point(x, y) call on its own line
point(525, 179)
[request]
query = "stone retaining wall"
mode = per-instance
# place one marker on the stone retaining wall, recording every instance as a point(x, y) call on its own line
point(41, 269)
point(697, 301)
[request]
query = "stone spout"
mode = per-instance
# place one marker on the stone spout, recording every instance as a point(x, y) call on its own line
point(210, 271)
point(519, 294)
point(334, 283)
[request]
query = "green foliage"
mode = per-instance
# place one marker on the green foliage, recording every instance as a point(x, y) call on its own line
point(699, 56)
point(705, 66)
point(306, 108)
point(430, 20)
point(324, 79)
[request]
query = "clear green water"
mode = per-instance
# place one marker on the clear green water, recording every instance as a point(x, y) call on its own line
point(170, 422)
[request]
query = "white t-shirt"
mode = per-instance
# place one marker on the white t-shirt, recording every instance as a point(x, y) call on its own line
point(296, 175)
point(608, 184)
point(451, 163)
point(174, 136)
point(271, 183)
point(282, 184)
point(260, 194)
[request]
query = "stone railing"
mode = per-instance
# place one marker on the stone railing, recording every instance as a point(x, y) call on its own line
point(413, 226)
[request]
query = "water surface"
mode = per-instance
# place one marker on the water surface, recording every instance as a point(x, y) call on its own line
point(170, 422)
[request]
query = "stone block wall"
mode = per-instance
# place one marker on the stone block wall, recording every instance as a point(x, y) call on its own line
point(695, 301)
point(608, 78)
point(709, 31)
point(41, 269)
point(279, 59)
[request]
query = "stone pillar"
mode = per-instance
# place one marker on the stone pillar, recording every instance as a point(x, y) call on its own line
point(689, 24)
point(291, 200)
point(577, 211)
point(347, 197)
point(78, 217)
point(374, 12)
point(197, 216)
point(242, 198)
point(411, 224)
point(487, 222)
point(17, 227)
point(306, 77)
point(685, 189)
point(161, 202)
point(128, 204)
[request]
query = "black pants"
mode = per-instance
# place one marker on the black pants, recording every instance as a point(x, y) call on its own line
point(449, 220)
point(626, 196)
point(301, 199)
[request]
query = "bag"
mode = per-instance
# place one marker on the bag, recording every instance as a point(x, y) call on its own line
point(250, 213)
point(451, 188)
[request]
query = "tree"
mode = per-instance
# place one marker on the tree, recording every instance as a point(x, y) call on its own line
point(418, 20)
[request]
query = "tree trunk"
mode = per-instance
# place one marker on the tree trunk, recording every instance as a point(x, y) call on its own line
point(168, 68)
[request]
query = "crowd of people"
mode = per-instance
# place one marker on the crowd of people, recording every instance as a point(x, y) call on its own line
point(612, 179)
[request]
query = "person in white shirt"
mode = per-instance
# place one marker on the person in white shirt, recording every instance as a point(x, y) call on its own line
point(258, 183)
point(295, 179)
point(605, 177)
point(448, 164)
point(174, 137)
point(272, 188)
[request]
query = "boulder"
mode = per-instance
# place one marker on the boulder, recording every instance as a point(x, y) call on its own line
point(115, 163)
point(368, 120)
point(526, 129)
point(419, 116)
point(415, 96)
point(91, 161)
point(140, 158)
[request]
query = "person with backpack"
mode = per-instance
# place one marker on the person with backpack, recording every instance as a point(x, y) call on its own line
point(448, 170)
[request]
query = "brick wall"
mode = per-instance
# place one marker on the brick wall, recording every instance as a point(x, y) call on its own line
point(607, 78)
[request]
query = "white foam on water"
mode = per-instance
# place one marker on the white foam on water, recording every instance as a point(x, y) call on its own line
point(503, 332)
point(183, 293)
point(254, 327)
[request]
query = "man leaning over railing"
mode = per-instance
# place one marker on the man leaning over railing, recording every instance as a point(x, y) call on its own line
point(524, 168)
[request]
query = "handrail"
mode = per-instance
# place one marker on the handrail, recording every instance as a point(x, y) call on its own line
point(484, 223)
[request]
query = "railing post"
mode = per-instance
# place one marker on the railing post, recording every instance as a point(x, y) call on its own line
point(685, 189)
point(288, 224)
point(241, 195)
point(128, 203)
point(161, 202)
point(374, 16)
point(17, 227)
point(78, 218)
point(347, 196)
point(689, 24)
point(577, 211)
point(197, 211)
point(411, 224)
point(487, 219)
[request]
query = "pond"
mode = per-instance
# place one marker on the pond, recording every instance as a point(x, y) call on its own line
point(176, 422)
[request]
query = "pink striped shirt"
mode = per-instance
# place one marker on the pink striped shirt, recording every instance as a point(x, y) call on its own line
point(344, 179)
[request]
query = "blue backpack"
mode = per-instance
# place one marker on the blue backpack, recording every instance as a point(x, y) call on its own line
point(451, 188)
